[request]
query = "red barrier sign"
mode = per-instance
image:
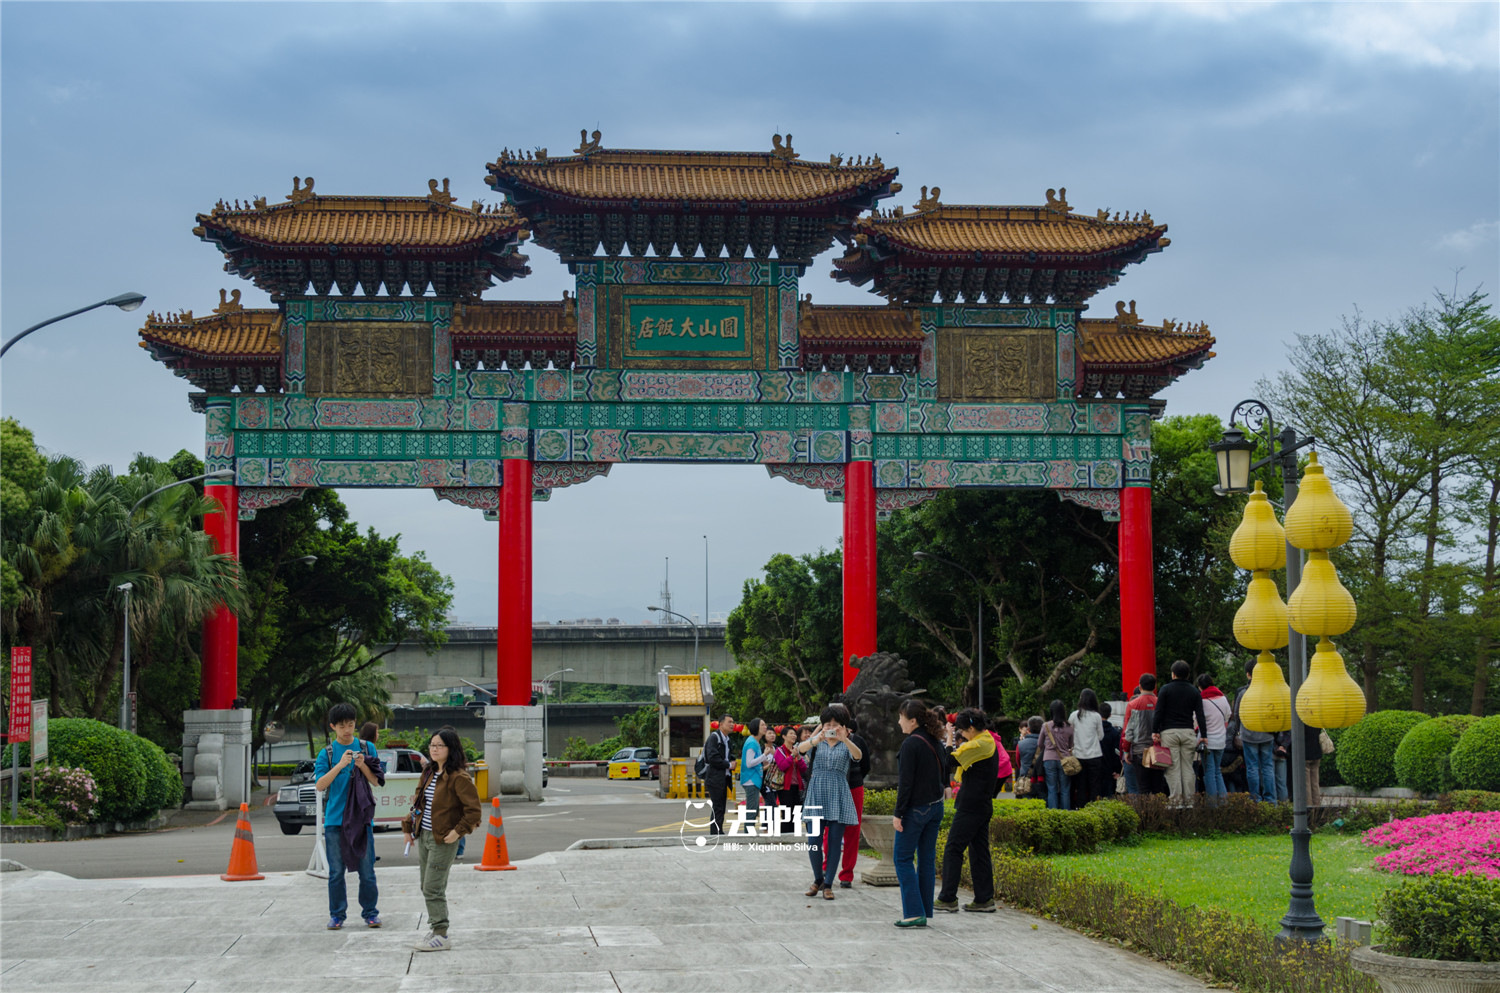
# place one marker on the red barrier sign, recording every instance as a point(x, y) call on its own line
point(20, 694)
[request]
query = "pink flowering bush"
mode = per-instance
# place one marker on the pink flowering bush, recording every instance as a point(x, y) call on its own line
point(1463, 843)
point(69, 791)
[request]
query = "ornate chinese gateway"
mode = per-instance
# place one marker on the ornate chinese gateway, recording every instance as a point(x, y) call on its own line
point(689, 338)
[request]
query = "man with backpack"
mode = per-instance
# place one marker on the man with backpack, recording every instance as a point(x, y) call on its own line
point(713, 768)
point(334, 772)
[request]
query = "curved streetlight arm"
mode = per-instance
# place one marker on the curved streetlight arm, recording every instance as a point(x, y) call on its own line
point(221, 474)
point(125, 301)
point(939, 558)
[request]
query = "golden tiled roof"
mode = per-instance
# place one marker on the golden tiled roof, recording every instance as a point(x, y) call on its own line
point(555, 318)
point(687, 691)
point(405, 222)
point(696, 177)
point(877, 325)
point(945, 229)
point(231, 332)
point(1123, 342)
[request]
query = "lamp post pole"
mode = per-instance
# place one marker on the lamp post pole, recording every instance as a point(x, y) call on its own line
point(125, 301)
point(546, 695)
point(978, 613)
point(125, 588)
point(1301, 922)
point(689, 620)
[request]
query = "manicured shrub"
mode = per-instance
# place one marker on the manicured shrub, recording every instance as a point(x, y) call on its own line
point(1422, 756)
point(1367, 751)
point(1121, 819)
point(1059, 832)
point(1237, 814)
point(163, 781)
point(880, 803)
point(110, 756)
point(1443, 917)
point(1472, 800)
point(1328, 769)
point(1475, 760)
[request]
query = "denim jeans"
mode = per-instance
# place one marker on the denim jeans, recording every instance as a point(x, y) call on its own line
point(1213, 779)
point(338, 891)
point(1260, 771)
point(829, 838)
point(918, 837)
point(1059, 787)
point(1282, 793)
point(1132, 777)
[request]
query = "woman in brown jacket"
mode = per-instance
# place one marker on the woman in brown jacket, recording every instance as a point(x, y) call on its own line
point(444, 808)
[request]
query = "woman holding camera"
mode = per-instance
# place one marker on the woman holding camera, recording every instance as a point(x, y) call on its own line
point(828, 796)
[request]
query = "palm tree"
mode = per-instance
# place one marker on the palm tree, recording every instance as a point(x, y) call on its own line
point(367, 687)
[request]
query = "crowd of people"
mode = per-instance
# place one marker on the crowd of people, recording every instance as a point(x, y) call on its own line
point(1182, 739)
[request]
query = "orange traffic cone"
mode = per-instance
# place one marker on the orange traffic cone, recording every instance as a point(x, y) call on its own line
point(242, 854)
point(496, 857)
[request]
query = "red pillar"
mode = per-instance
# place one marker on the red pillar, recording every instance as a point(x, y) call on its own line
point(513, 653)
point(1137, 594)
point(221, 632)
point(859, 563)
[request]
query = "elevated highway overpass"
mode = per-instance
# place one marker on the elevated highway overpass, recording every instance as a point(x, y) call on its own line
point(630, 654)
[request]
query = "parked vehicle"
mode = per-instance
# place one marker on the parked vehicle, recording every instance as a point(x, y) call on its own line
point(650, 763)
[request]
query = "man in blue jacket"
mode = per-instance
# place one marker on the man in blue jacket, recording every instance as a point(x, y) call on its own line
point(344, 758)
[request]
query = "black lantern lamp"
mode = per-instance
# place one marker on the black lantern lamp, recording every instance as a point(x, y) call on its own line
point(1233, 456)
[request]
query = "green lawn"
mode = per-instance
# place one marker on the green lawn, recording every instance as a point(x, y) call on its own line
point(1244, 874)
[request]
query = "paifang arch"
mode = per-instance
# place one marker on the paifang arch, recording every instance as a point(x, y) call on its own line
point(687, 339)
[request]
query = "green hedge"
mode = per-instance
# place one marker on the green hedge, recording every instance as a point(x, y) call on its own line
point(1367, 751)
point(1060, 832)
point(163, 780)
point(1422, 756)
point(111, 756)
point(1225, 948)
point(1443, 917)
point(1475, 760)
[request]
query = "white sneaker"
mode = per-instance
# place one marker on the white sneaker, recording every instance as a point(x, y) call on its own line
point(434, 942)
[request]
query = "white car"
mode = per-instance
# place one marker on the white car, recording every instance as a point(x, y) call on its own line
point(296, 805)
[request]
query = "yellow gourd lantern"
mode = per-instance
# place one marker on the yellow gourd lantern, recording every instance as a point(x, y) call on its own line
point(1259, 543)
point(1261, 622)
point(1320, 606)
point(1328, 698)
point(1267, 703)
point(1317, 519)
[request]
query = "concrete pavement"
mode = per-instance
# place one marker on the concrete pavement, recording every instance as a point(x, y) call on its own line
point(643, 920)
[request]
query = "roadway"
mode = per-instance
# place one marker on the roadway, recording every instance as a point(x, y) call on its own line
point(197, 843)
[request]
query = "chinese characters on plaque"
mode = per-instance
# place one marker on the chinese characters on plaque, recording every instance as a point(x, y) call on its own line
point(668, 327)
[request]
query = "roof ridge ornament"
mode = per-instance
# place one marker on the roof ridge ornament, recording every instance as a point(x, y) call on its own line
point(587, 147)
point(442, 197)
point(230, 303)
point(299, 192)
point(783, 152)
point(930, 202)
point(1124, 318)
point(1057, 200)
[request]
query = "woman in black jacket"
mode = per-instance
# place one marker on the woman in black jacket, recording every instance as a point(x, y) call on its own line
point(919, 810)
point(977, 764)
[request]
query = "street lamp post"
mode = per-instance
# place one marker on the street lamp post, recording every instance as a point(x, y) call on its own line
point(125, 721)
point(546, 693)
point(979, 614)
point(220, 474)
point(1234, 453)
point(689, 620)
point(125, 301)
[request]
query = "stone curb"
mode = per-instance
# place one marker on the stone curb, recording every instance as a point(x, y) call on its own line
point(15, 833)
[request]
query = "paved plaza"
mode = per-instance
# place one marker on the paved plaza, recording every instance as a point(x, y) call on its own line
point(636, 920)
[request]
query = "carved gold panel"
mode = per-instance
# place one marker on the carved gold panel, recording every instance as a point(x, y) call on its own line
point(997, 364)
point(373, 358)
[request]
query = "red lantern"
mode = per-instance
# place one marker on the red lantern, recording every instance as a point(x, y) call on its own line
point(952, 718)
point(713, 725)
point(739, 729)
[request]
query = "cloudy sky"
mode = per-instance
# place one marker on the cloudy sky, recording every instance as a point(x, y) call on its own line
point(1309, 159)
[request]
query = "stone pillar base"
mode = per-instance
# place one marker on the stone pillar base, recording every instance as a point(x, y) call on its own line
point(233, 787)
point(513, 751)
